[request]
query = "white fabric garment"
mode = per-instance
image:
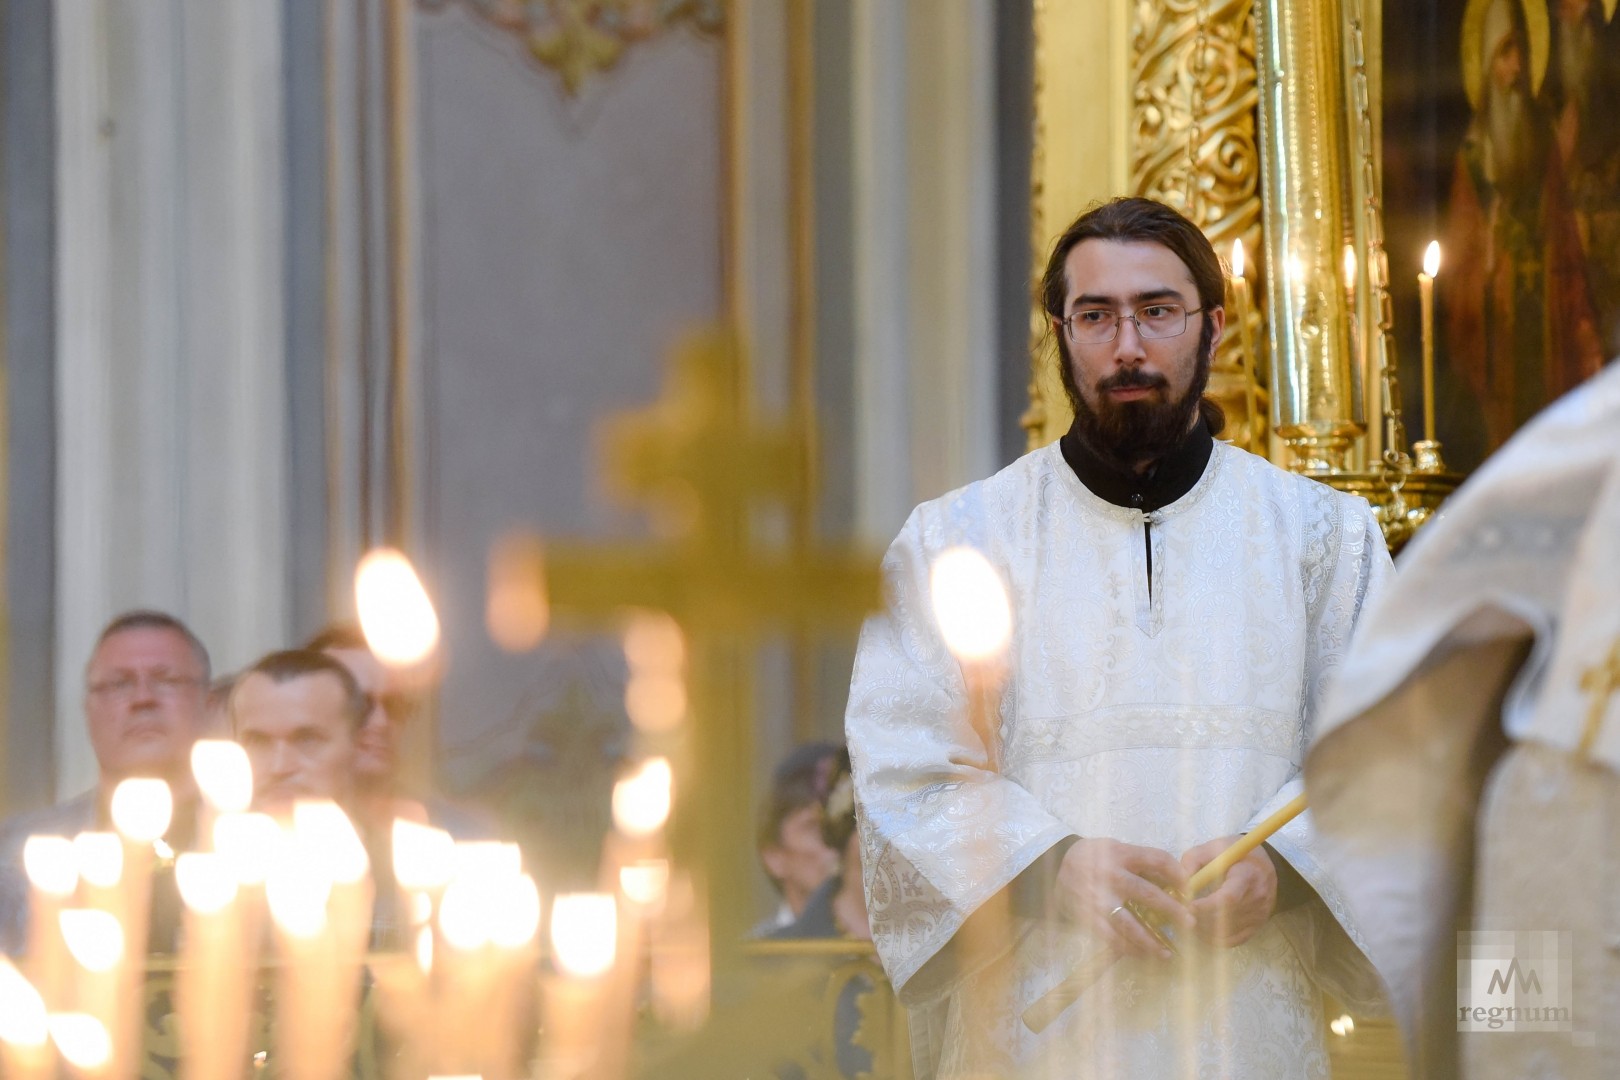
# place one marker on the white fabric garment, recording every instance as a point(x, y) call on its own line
point(1447, 779)
point(1163, 717)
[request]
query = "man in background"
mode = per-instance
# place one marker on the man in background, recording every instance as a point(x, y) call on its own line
point(790, 845)
point(144, 703)
point(298, 715)
point(380, 793)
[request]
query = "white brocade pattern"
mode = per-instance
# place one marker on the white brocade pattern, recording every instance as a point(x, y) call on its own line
point(1164, 714)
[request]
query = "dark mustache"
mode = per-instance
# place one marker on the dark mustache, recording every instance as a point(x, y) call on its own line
point(1132, 379)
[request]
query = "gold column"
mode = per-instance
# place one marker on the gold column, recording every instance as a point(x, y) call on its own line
point(1195, 89)
point(1318, 408)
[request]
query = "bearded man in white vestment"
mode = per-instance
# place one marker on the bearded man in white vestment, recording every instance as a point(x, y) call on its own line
point(1465, 774)
point(1178, 606)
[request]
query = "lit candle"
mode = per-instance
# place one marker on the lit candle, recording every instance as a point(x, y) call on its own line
point(141, 810)
point(24, 1030)
point(320, 898)
point(488, 919)
point(975, 620)
point(214, 992)
point(53, 875)
point(641, 801)
point(584, 945)
point(655, 692)
point(1251, 378)
point(1431, 267)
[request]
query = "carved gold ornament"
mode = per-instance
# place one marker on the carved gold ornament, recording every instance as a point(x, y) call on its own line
point(581, 38)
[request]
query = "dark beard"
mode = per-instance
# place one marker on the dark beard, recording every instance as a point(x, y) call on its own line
point(1132, 433)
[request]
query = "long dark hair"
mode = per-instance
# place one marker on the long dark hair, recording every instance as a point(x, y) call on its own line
point(1136, 220)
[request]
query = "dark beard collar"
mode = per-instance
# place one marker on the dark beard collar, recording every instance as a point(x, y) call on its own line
point(1136, 433)
point(1131, 435)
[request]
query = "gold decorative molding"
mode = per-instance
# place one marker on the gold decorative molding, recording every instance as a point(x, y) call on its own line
point(1080, 155)
point(581, 38)
point(1195, 94)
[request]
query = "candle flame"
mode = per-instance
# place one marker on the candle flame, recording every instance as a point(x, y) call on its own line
point(51, 864)
point(1431, 259)
point(655, 702)
point(395, 613)
point(645, 882)
point(245, 841)
point(93, 936)
point(517, 916)
point(424, 949)
point(296, 890)
point(970, 605)
point(99, 857)
point(142, 808)
point(206, 880)
point(641, 801)
point(584, 933)
point(321, 830)
point(517, 613)
point(224, 774)
point(82, 1039)
point(22, 1010)
point(1237, 257)
point(653, 643)
point(487, 860)
point(424, 857)
point(464, 915)
point(474, 905)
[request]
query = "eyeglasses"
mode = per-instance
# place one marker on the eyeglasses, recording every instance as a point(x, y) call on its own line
point(1094, 326)
point(162, 683)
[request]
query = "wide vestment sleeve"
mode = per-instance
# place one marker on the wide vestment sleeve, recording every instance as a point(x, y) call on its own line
point(1326, 935)
point(942, 830)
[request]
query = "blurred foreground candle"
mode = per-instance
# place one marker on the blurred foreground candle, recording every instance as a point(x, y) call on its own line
point(214, 995)
point(1431, 268)
point(395, 613)
point(678, 949)
point(975, 621)
point(488, 919)
point(53, 874)
point(655, 654)
point(141, 810)
point(25, 1052)
point(224, 775)
point(319, 895)
point(82, 1039)
point(516, 611)
point(641, 801)
point(584, 942)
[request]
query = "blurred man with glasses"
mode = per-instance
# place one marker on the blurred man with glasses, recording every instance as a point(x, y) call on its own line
point(146, 687)
point(1178, 606)
point(380, 791)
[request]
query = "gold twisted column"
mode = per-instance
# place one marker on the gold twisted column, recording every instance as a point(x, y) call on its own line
point(1318, 409)
point(1193, 140)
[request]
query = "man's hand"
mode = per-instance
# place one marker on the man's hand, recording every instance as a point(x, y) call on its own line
point(1241, 902)
point(1098, 877)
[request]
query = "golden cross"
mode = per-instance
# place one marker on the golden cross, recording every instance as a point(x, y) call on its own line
point(706, 464)
point(1602, 682)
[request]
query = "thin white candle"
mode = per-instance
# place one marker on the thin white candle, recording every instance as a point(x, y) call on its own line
point(1431, 268)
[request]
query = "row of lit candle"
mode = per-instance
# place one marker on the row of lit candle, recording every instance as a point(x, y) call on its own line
point(1431, 269)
